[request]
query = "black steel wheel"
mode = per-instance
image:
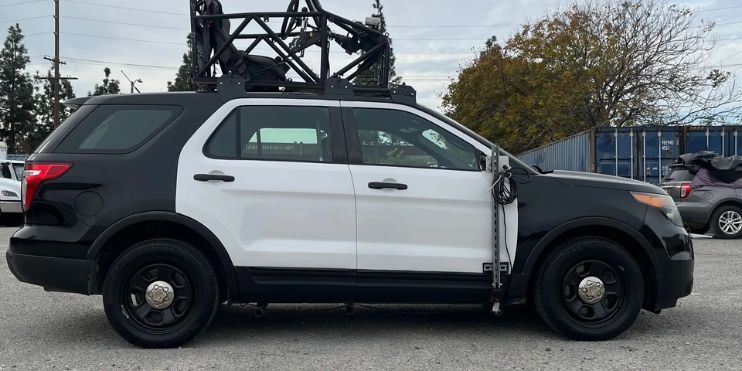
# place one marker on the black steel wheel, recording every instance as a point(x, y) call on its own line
point(160, 293)
point(589, 288)
point(163, 280)
point(605, 279)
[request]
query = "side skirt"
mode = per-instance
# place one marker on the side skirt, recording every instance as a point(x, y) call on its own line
point(297, 285)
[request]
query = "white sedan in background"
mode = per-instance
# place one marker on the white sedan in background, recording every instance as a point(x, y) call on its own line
point(10, 198)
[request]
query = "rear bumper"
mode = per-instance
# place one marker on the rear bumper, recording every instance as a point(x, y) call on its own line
point(54, 274)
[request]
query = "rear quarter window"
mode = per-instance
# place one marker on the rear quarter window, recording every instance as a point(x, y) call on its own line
point(118, 128)
point(678, 175)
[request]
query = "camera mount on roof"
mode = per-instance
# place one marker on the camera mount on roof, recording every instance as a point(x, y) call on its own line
point(310, 26)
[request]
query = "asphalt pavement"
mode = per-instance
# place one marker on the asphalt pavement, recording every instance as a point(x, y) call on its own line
point(41, 329)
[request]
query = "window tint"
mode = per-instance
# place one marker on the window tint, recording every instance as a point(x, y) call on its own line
point(6, 171)
point(678, 174)
point(118, 129)
point(223, 143)
point(398, 138)
point(18, 168)
point(274, 133)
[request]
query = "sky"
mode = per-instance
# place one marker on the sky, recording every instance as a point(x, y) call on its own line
point(432, 38)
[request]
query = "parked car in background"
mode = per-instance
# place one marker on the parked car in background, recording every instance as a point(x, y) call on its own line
point(10, 201)
point(12, 170)
point(705, 205)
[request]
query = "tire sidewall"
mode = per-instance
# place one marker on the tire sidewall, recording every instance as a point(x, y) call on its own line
point(549, 300)
point(193, 264)
point(716, 228)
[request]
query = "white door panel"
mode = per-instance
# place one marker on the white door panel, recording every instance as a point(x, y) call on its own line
point(442, 222)
point(275, 213)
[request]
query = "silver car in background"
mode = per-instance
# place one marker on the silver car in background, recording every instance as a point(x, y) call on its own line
point(715, 208)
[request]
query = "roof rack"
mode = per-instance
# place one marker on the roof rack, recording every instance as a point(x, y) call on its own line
point(213, 46)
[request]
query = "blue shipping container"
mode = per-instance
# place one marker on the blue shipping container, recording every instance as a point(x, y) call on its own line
point(643, 153)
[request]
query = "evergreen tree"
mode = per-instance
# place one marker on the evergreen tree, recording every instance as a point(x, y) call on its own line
point(44, 111)
point(109, 85)
point(371, 76)
point(183, 81)
point(16, 89)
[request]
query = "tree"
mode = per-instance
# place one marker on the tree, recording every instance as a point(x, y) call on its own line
point(109, 85)
point(43, 111)
point(609, 64)
point(371, 76)
point(183, 81)
point(16, 88)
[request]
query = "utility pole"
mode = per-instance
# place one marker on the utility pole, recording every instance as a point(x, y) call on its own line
point(55, 63)
point(55, 83)
point(132, 82)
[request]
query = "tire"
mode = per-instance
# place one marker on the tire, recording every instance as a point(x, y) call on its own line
point(188, 309)
point(726, 222)
point(560, 305)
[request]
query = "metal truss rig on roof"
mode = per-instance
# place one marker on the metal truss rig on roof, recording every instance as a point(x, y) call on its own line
point(301, 29)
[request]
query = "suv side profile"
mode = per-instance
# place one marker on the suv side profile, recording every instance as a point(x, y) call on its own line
point(170, 204)
point(712, 207)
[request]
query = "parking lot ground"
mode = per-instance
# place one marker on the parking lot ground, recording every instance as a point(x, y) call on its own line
point(39, 329)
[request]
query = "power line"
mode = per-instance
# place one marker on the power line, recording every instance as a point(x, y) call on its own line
point(715, 9)
point(38, 33)
point(21, 3)
point(26, 19)
point(456, 26)
point(124, 23)
point(124, 64)
point(126, 8)
point(123, 38)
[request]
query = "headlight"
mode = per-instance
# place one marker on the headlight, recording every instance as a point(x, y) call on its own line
point(662, 202)
point(9, 194)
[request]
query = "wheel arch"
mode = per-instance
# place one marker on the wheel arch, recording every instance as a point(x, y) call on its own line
point(157, 224)
point(727, 202)
point(620, 232)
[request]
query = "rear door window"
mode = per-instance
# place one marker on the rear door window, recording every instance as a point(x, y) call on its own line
point(274, 133)
point(118, 128)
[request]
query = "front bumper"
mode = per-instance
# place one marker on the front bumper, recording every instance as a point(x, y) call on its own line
point(53, 273)
point(675, 283)
point(11, 207)
point(675, 262)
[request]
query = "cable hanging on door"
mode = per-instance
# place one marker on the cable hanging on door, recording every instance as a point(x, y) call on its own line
point(505, 188)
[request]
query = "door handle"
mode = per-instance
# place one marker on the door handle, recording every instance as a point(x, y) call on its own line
point(382, 185)
point(208, 177)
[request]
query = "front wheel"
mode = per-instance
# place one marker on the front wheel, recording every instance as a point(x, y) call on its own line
point(589, 288)
point(160, 293)
point(726, 223)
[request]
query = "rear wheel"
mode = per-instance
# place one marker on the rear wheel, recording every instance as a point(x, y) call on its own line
point(726, 222)
point(589, 288)
point(160, 293)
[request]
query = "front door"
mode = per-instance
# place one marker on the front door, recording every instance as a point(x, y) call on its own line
point(422, 196)
point(270, 178)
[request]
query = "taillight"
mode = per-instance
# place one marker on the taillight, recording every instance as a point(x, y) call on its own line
point(36, 173)
point(685, 190)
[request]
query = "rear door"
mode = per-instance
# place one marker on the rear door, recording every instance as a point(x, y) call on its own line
point(270, 178)
point(422, 197)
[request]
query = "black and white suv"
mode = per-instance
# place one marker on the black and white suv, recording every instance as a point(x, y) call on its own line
point(170, 204)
